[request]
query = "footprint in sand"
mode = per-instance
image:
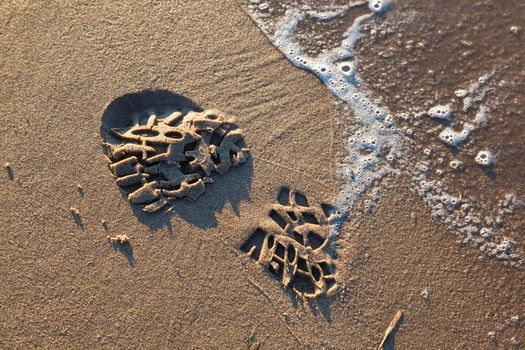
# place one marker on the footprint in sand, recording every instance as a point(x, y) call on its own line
point(292, 245)
point(159, 153)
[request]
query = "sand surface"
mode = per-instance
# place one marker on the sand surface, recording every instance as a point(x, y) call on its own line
point(183, 283)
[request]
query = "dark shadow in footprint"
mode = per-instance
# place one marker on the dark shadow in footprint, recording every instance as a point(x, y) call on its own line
point(120, 112)
point(321, 304)
point(127, 250)
point(232, 187)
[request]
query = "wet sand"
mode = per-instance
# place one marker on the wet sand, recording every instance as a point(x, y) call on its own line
point(183, 283)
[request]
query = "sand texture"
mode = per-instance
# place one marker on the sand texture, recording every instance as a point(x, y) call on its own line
point(82, 267)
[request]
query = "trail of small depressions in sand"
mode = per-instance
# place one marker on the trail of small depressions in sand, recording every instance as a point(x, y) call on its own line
point(376, 147)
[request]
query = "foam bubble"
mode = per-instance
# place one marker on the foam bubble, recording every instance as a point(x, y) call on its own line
point(485, 158)
point(461, 93)
point(442, 112)
point(378, 6)
point(349, 71)
point(374, 146)
point(455, 138)
point(482, 116)
point(456, 164)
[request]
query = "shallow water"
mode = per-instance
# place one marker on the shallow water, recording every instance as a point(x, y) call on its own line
point(321, 38)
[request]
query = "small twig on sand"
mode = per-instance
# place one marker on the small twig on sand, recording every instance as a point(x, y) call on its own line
point(252, 343)
point(74, 211)
point(390, 328)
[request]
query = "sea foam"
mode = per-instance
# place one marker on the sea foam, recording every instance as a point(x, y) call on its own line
point(375, 142)
point(376, 147)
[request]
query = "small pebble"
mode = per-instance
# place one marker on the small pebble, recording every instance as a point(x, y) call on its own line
point(119, 239)
point(515, 29)
point(492, 336)
point(74, 211)
point(425, 294)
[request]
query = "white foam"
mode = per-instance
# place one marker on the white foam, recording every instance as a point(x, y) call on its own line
point(482, 116)
point(464, 217)
point(455, 164)
point(476, 91)
point(375, 141)
point(455, 138)
point(442, 112)
point(461, 93)
point(375, 145)
point(485, 158)
point(378, 6)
